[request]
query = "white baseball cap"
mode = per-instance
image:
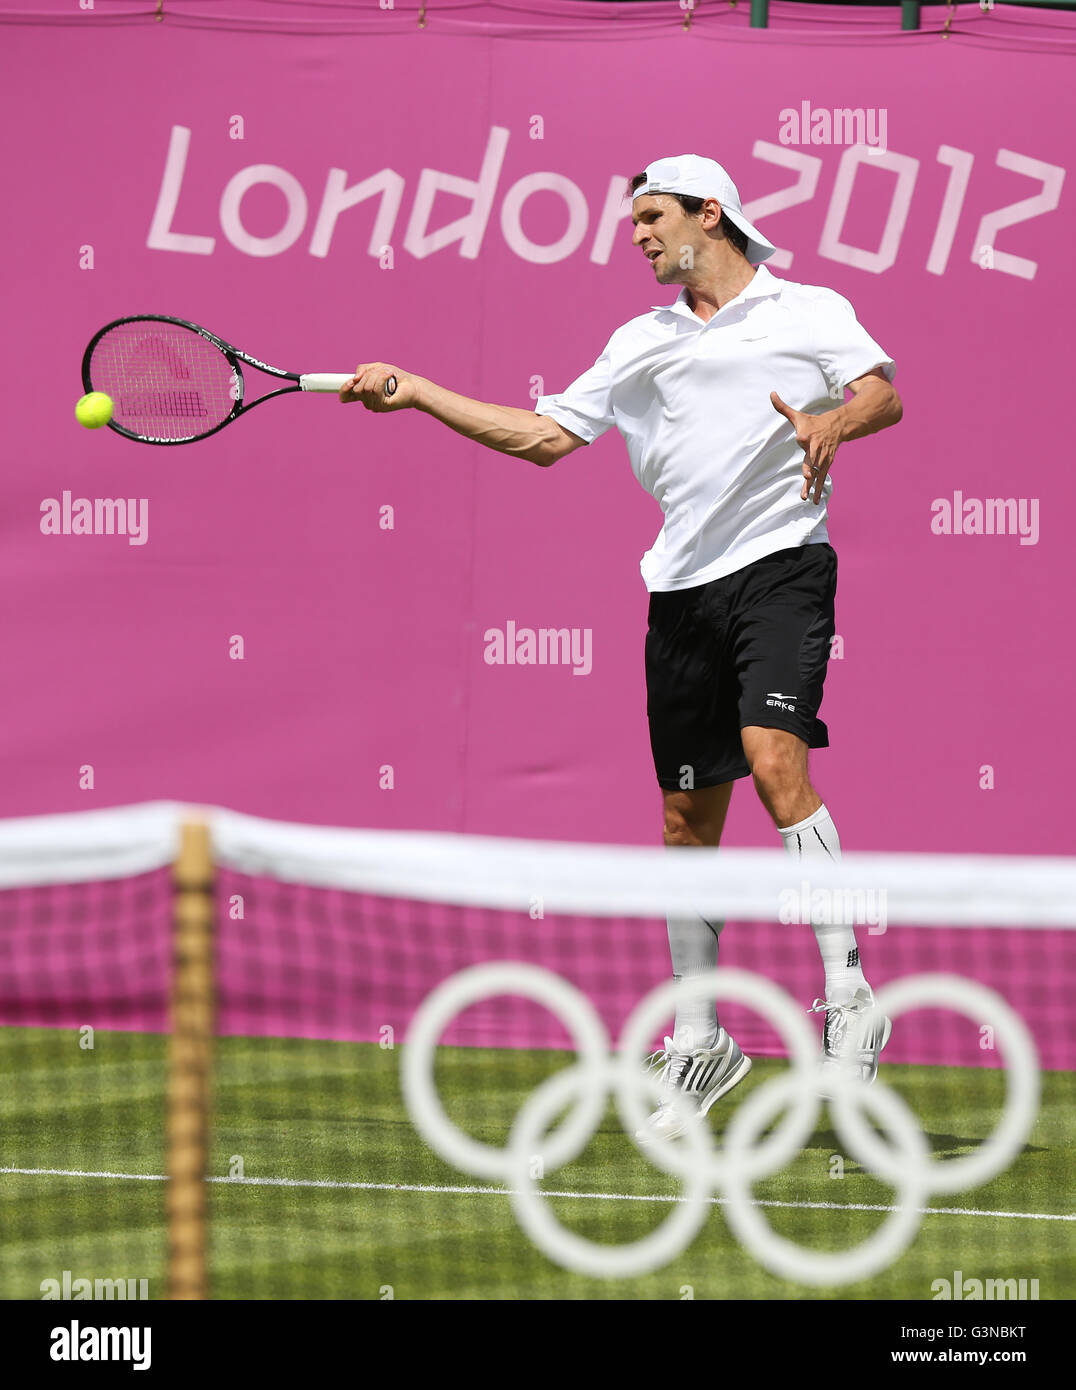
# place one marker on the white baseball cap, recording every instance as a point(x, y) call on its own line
point(697, 177)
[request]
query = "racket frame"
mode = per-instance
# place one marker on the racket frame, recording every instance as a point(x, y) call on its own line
point(235, 358)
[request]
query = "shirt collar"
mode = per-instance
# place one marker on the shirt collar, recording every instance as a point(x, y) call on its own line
point(763, 284)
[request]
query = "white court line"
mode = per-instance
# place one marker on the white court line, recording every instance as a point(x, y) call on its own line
point(507, 1192)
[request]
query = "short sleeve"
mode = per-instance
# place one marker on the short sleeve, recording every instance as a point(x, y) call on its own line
point(584, 407)
point(845, 349)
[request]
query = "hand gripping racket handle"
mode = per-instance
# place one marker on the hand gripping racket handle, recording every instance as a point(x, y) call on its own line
point(334, 381)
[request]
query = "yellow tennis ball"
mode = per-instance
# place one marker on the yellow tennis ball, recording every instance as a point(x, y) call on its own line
point(94, 410)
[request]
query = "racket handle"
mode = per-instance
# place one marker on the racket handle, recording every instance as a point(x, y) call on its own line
point(324, 381)
point(334, 381)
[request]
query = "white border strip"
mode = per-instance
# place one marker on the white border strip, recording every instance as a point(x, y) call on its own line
point(470, 1190)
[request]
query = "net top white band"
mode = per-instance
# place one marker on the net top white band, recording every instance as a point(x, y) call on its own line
point(494, 872)
point(86, 845)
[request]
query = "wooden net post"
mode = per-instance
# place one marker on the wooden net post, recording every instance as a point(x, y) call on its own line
point(190, 1067)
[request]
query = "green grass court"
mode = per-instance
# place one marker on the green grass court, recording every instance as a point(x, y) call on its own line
point(326, 1112)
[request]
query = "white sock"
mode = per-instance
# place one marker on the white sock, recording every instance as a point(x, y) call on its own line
point(816, 839)
point(693, 947)
point(813, 838)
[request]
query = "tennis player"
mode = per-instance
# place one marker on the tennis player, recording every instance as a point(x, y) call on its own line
point(731, 401)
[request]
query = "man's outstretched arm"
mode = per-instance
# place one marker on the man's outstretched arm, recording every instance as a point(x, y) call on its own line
point(521, 433)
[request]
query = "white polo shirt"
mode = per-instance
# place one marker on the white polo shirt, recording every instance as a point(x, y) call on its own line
point(692, 401)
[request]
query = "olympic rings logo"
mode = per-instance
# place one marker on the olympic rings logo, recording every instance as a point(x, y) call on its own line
point(904, 1161)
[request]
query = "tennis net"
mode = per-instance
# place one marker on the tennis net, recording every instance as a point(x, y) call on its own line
point(246, 1059)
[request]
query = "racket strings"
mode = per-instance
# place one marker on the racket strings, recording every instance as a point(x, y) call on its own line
point(165, 381)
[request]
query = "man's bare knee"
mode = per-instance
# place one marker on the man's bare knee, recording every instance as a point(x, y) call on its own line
point(696, 817)
point(778, 761)
point(680, 830)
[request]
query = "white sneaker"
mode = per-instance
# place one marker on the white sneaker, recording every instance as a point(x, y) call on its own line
point(854, 1034)
point(691, 1082)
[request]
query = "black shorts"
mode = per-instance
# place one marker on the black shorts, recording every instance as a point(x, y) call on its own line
point(749, 648)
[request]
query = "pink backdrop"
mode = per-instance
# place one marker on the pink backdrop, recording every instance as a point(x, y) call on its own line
point(364, 646)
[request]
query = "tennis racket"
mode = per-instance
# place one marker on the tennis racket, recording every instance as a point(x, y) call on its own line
point(172, 382)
